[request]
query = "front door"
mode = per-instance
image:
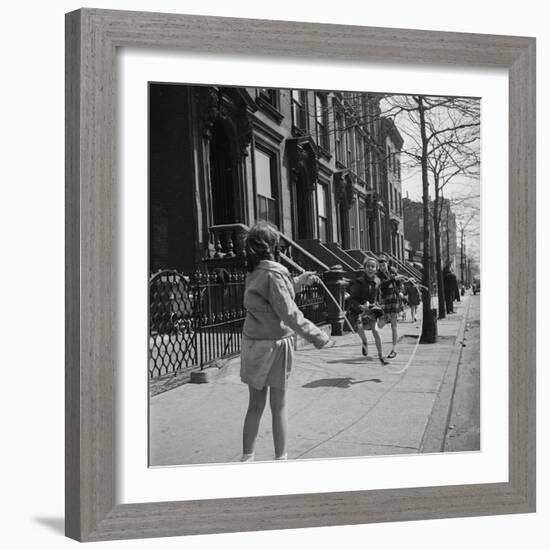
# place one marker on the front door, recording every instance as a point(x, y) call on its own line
point(343, 220)
point(222, 177)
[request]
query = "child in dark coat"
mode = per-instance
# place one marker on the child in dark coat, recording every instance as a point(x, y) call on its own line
point(363, 303)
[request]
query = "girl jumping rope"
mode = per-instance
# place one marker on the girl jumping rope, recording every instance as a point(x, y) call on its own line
point(363, 300)
point(390, 288)
point(272, 318)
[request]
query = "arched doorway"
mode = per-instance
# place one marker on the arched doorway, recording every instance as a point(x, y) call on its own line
point(222, 176)
point(302, 161)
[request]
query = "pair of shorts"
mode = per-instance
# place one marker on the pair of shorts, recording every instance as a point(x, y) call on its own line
point(266, 362)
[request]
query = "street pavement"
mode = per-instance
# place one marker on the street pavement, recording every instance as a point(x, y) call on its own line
point(464, 422)
point(340, 404)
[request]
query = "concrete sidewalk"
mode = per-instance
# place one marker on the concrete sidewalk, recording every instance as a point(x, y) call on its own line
point(340, 403)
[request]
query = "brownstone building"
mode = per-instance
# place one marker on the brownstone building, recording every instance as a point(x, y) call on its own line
point(323, 166)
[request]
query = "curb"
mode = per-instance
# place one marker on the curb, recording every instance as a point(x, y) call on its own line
point(433, 440)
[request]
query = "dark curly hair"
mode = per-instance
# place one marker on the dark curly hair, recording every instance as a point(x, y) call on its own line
point(262, 243)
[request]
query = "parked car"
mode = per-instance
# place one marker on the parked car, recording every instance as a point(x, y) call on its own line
point(476, 285)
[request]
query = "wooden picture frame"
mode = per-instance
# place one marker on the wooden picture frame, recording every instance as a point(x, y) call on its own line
point(92, 39)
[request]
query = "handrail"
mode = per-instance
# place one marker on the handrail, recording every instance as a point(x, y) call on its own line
point(400, 264)
point(414, 270)
point(291, 263)
point(404, 266)
point(303, 252)
point(227, 226)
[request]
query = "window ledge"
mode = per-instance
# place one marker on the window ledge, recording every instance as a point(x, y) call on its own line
point(324, 152)
point(269, 109)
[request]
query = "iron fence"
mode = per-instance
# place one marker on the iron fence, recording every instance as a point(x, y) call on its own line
point(196, 319)
point(312, 301)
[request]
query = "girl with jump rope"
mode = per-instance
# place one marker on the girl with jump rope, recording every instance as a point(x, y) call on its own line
point(370, 311)
point(364, 295)
point(390, 301)
point(272, 319)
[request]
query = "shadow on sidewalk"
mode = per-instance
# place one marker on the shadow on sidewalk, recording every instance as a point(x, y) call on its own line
point(343, 383)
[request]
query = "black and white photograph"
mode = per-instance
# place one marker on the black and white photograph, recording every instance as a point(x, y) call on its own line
point(314, 274)
point(245, 244)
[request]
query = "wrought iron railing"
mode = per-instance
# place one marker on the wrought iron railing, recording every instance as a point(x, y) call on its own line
point(227, 241)
point(196, 319)
point(297, 254)
point(172, 323)
point(312, 301)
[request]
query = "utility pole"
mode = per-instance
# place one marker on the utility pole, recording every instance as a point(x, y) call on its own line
point(462, 255)
point(447, 230)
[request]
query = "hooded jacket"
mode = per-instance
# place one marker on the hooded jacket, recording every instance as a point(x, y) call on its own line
point(271, 312)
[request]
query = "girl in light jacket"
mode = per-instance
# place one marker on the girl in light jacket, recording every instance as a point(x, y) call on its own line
point(272, 318)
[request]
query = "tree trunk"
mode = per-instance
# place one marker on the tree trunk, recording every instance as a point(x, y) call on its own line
point(439, 272)
point(440, 281)
point(447, 233)
point(429, 323)
point(462, 256)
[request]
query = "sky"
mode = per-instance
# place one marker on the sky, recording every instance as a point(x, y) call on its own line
point(463, 191)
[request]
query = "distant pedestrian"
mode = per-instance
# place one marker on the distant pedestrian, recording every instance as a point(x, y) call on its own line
point(390, 288)
point(272, 318)
point(364, 308)
point(413, 297)
point(450, 286)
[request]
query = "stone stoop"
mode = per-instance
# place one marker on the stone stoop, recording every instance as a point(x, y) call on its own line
point(212, 371)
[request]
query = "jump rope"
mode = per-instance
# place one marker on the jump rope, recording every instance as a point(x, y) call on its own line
point(352, 330)
point(329, 293)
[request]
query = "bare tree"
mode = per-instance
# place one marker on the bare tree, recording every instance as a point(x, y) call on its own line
point(468, 227)
point(458, 156)
point(443, 141)
point(444, 133)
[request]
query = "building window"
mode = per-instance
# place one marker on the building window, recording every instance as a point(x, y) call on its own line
point(359, 153)
point(269, 95)
point(339, 136)
point(363, 226)
point(322, 210)
point(321, 120)
point(299, 119)
point(266, 186)
point(353, 228)
point(350, 147)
